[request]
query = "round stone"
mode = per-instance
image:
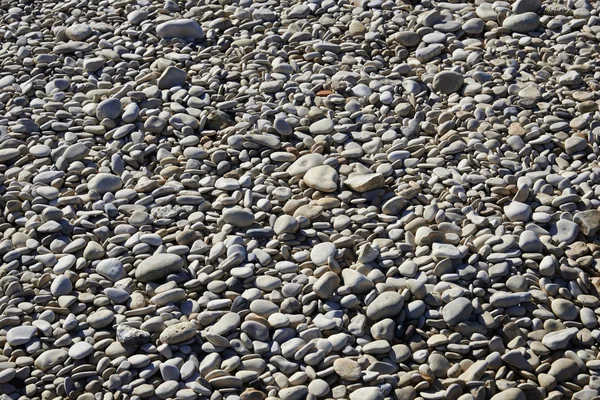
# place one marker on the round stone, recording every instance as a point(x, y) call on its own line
point(158, 266)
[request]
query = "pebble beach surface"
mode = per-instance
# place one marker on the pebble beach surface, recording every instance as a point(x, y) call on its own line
point(290, 200)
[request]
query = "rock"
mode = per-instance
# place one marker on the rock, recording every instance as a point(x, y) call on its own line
point(448, 82)
point(356, 282)
point(365, 182)
point(347, 369)
point(180, 29)
point(575, 144)
point(457, 310)
point(178, 333)
point(61, 285)
point(130, 336)
point(105, 183)
point(326, 285)
point(238, 217)
point(111, 268)
point(368, 393)
point(158, 266)
point(80, 350)
point(20, 335)
point(510, 394)
point(303, 164)
point(563, 370)
point(522, 23)
point(524, 6)
point(323, 178)
point(322, 252)
point(50, 358)
point(80, 32)
point(588, 221)
point(172, 77)
point(386, 305)
point(109, 109)
point(518, 212)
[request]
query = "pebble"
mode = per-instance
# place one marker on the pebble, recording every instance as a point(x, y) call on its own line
point(178, 333)
point(158, 266)
point(180, 29)
point(305, 200)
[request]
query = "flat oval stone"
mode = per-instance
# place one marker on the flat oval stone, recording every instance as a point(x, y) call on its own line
point(178, 333)
point(158, 266)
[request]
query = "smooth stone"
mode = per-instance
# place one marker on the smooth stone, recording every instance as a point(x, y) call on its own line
point(386, 305)
point(111, 268)
point(563, 369)
point(105, 183)
point(365, 182)
point(368, 393)
point(61, 285)
point(321, 127)
point(518, 212)
point(522, 23)
point(510, 394)
point(321, 253)
point(326, 285)
point(50, 358)
point(109, 109)
point(130, 336)
point(172, 77)
point(238, 217)
point(180, 29)
point(158, 266)
point(20, 335)
point(588, 221)
point(457, 310)
point(448, 82)
point(178, 333)
point(357, 282)
point(322, 178)
point(80, 350)
point(347, 369)
point(303, 164)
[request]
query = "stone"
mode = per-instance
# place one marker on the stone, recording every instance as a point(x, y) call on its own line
point(130, 336)
point(326, 285)
point(303, 164)
point(448, 82)
point(180, 29)
point(510, 394)
point(109, 109)
point(178, 333)
point(105, 183)
point(386, 305)
point(323, 178)
point(356, 282)
point(588, 221)
point(20, 335)
point(238, 217)
point(365, 182)
point(50, 358)
point(111, 268)
point(322, 252)
point(518, 212)
point(575, 144)
point(158, 266)
point(522, 23)
point(347, 369)
point(563, 370)
point(61, 285)
point(80, 350)
point(457, 310)
point(172, 77)
point(368, 393)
